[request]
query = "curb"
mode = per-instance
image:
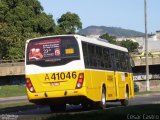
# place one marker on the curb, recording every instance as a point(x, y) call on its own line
point(147, 94)
point(16, 98)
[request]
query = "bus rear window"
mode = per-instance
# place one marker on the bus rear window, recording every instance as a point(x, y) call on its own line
point(52, 51)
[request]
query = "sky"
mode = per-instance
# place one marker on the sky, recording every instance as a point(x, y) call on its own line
point(127, 14)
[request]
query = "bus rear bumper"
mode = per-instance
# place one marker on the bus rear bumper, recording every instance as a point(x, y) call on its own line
point(64, 95)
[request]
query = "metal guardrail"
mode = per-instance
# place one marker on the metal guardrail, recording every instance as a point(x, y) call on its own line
point(142, 61)
point(151, 54)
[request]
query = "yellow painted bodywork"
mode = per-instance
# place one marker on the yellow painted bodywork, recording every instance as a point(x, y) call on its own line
point(115, 83)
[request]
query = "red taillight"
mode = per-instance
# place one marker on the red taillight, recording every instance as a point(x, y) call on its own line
point(80, 81)
point(29, 85)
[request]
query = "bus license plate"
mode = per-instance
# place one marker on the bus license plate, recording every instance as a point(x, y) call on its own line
point(55, 84)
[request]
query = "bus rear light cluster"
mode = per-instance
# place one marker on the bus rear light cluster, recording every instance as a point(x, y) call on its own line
point(29, 85)
point(80, 81)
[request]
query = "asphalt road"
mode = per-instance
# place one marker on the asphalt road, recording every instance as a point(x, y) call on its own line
point(44, 110)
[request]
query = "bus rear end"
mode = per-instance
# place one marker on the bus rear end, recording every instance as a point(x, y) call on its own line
point(54, 71)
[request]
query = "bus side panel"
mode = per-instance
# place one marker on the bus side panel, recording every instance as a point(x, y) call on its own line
point(90, 90)
point(121, 84)
point(111, 86)
point(131, 82)
point(94, 80)
point(98, 78)
point(88, 81)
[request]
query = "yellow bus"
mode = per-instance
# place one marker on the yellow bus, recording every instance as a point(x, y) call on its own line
point(73, 69)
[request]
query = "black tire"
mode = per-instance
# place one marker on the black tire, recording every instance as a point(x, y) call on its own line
point(85, 106)
point(102, 103)
point(58, 107)
point(125, 101)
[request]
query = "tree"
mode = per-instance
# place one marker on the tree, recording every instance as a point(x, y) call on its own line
point(59, 31)
point(129, 44)
point(69, 23)
point(19, 21)
point(110, 39)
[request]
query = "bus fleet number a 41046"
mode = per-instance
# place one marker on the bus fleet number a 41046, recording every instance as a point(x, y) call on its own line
point(60, 76)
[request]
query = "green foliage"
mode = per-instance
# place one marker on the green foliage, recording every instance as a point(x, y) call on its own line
point(12, 90)
point(110, 39)
point(24, 19)
point(20, 20)
point(58, 30)
point(129, 44)
point(70, 23)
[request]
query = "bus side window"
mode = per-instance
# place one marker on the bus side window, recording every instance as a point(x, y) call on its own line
point(112, 58)
point(129, 63)
point(106, 58)
point(122, 61)
point(117, 58)
point(85, 54)
point(125, 62)
point(99, 56)
point(94, 58)
point(91, 53)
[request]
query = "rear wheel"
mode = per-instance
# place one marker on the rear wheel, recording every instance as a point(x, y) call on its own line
point(85, 105)
point(58, 107)
point(103, 99)
point(125, 101)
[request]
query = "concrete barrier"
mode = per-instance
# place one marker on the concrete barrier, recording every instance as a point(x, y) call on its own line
point(8, 69)
point(142, 61)
point(154, 85)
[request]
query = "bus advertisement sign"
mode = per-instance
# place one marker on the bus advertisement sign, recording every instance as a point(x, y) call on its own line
point(44, 49)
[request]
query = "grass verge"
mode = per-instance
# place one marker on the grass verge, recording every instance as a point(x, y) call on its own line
point(12, 90)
